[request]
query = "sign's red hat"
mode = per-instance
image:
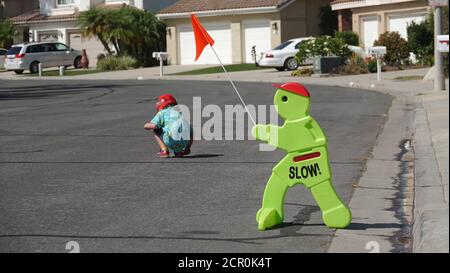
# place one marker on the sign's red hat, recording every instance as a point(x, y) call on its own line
point(293, 87)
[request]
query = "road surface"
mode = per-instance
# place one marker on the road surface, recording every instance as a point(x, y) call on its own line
point(76, 165)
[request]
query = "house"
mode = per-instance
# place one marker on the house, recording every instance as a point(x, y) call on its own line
point(370, 18)
point(11, 8)
point(237, 26)
point(55, 20)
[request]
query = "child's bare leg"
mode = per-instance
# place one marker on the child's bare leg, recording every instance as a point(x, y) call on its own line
point(187, 149)
point(160, 142)
point(188, 146)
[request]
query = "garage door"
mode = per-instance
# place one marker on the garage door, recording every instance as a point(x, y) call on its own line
point(370, 30)
point(93, 46)
point(256, 34)
point(400, 22)
point(221, 34)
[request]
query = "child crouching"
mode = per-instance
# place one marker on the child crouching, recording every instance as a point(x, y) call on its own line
point(172, 131)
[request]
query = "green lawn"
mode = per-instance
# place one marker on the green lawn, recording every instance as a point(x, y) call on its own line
point(72, 72)
point(218, 69)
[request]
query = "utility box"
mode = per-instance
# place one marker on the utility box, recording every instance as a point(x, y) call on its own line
point(325, 65)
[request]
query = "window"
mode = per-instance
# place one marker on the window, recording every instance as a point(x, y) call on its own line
point(299, 43)
point(50, 47)
point(62, 47)
point(35, 49)
point(14, 50)
point(283, 45)
point(41, 48)
point(65, 2)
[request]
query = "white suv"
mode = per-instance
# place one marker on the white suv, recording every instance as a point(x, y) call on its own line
point(28, 56)
point(282, 57)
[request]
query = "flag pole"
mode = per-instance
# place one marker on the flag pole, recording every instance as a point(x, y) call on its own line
point(234, 86)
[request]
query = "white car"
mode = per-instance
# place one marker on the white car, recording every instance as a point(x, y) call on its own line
point(2, 57)
point(28, 56)
point(282, 57)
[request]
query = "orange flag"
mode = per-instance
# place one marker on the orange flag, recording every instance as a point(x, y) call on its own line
point(202, 37)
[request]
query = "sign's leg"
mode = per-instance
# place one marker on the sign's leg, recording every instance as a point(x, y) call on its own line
point(272, 212)
point(161, 67)
point(334, 212)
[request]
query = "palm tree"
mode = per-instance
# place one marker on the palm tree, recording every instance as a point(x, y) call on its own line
point(93, 22)
point(129, 30)
point(7, 33)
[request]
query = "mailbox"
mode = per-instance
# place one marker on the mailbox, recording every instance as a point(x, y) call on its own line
point(160, 55)
point(377, 51)
point(442, 43)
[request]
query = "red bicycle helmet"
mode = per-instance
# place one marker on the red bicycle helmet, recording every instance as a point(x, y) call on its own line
point(165, 100)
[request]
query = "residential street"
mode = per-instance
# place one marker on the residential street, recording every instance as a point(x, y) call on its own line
point(76, 165)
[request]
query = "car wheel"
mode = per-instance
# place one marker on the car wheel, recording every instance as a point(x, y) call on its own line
point(34, 67)
point(77, 62)
point(18, 72)
point(291, 64)
point(280, 68)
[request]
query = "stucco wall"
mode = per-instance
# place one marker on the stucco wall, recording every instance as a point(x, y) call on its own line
point(16, 7)
point(313, 19)
point(298, 19)
point(293, 20)
point(236, 25)
point(383, 12)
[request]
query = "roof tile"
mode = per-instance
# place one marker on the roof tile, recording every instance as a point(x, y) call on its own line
point(183, 6)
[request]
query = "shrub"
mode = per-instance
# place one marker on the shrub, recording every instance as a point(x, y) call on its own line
point(397, 48)
point(421, 41)
point(125, 31)
point(7, 33)
point(117, 63)
point(355, 65)
point(349, 37)
point(303, 72)
point(100, 56)
point(322, 46)
point(371, 65)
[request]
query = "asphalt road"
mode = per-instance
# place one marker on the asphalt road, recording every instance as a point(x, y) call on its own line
point(76, 165)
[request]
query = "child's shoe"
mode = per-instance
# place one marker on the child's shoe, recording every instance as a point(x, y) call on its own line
point(180, 154)
point(163, 154)
point(183, 153)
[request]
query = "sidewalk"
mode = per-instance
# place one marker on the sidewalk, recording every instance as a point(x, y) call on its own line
point(132, 74)
point(431, 229)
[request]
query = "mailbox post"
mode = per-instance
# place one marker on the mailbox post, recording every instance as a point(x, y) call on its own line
point(161, 56)
point(439, 80)
point(378, 52)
